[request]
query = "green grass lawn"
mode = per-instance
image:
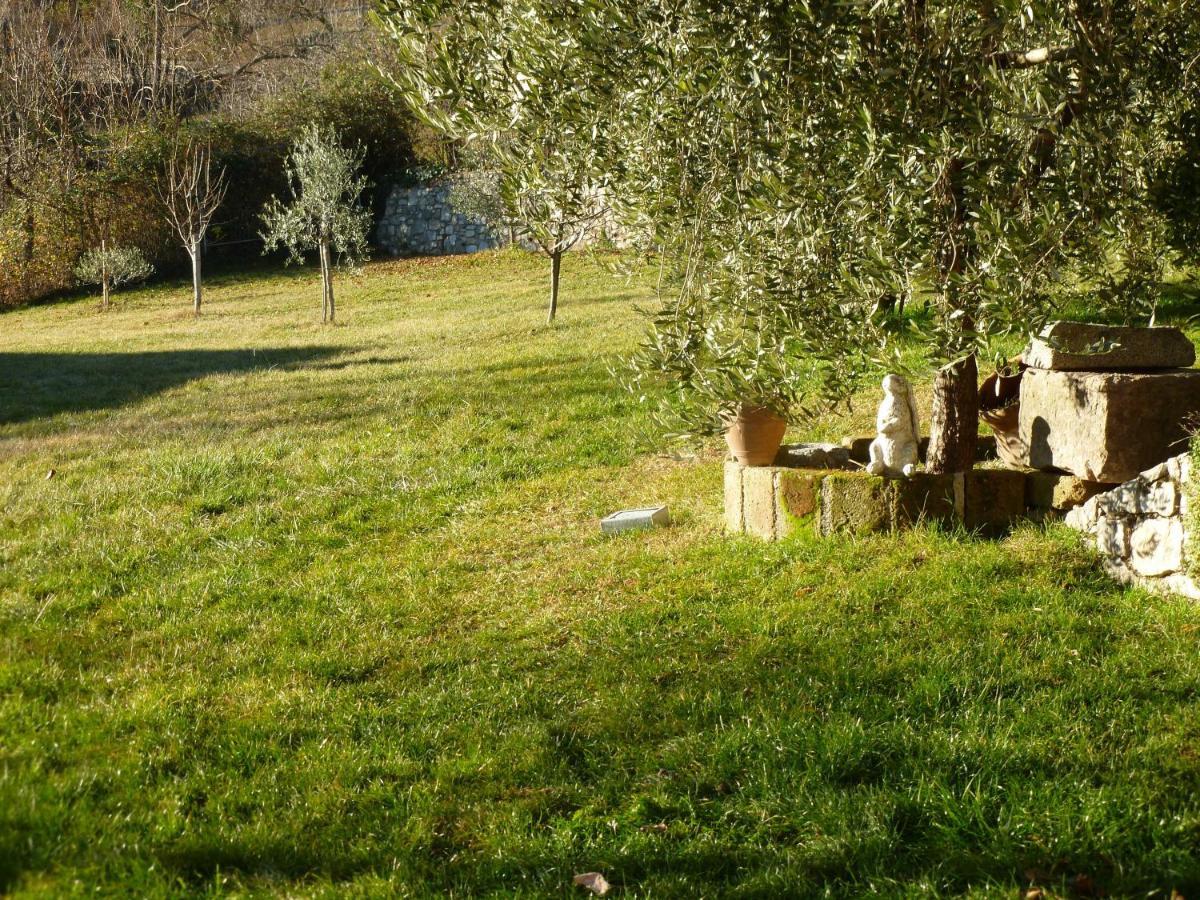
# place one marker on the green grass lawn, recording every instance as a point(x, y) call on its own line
point(315, 611)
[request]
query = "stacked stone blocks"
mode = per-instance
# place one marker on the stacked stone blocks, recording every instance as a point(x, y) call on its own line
point(1140, 528)
point(773, 502)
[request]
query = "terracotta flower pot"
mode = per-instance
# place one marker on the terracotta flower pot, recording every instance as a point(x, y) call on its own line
point(754, 435)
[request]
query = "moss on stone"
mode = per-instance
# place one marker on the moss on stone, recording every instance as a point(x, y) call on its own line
point(856, 503)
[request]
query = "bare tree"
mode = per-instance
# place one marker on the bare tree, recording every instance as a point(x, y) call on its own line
point(191, 196)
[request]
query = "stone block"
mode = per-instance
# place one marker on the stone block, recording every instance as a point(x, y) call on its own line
point(1083, 518)
point(924, 498)
point(859, 448)
point(797, 499)
point(1073, 346)
point(1106, 426)
point(799, 493)
point(1121, 501)
point(855, 503)
point(758, 501)
point(1058, 492)
point(1183, 585)
point(1156, 547)
point(1112, 538)
point(993, 500)
point(1158, 498)
point(813, 456)
point(733, 498)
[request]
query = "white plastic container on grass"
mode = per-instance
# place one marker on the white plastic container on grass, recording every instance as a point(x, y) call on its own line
point(631, 519)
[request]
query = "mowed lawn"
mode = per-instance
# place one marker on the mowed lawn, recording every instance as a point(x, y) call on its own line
point(311, 611)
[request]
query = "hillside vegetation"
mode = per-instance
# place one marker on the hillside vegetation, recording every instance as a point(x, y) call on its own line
point(312, 611)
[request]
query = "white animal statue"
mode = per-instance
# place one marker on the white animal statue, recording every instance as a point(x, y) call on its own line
point(894, 450)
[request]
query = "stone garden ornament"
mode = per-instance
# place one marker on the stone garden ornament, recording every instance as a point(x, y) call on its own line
point(894, 450)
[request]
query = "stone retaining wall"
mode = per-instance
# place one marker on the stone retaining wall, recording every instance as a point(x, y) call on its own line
point(1140, 528)
point(773, 502)
point(419, 221)
point(825, 486)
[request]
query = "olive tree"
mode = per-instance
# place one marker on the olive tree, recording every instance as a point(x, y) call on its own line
point(500, 77)
point(326, 213)
point(109, 267)
point(805, 165)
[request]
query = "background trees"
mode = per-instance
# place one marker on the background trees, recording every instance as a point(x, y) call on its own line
point(110, 267)
point(95, 96)
point(325, 213)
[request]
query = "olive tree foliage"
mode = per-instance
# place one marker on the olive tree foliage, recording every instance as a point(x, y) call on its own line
point(804, 165)
point(109, 267)
point(326, 212)
point(500, 77)
point(475, 192)
point(815, 161)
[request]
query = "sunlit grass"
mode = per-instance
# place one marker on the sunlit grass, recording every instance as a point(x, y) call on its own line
point(317, 611)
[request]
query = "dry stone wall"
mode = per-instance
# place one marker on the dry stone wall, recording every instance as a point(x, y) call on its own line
point(1140, 528)
point(419, 221)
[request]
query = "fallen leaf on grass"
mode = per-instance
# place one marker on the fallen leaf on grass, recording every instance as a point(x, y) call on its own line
point(660, 827)
point(594, 882)
point(50, 474)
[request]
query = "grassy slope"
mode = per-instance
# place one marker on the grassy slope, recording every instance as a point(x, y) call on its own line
point(317, 611)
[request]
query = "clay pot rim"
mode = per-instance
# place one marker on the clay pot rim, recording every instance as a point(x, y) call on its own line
point(747, 409)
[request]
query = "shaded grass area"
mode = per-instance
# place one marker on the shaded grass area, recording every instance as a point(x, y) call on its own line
point(321, 612)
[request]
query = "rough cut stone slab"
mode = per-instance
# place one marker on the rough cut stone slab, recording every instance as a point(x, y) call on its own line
point(1159, 498)
point(1112, 538)
point(799, 493)
point(758, 501)
point(1156, 547)
point(733, 497)
point(1060, 492)
point(813, 456)
point(859, 504)
point(1106, 426)
point(924, 498)
point(994, 500)
point(797, 499)
point(1064, 346)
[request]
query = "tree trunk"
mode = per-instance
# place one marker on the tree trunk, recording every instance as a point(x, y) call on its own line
point(324, 285)
point(954, 425)
point(555, 268)
point(327, 285)
point(194, 252)
point(104, 287)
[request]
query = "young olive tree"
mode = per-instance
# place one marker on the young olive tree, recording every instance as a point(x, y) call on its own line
point(500, 77)
point(806, 163)
point(110, 267)
point(326, 213)
point(191, 195)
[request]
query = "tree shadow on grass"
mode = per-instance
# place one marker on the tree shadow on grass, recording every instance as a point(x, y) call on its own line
point(37, 385)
